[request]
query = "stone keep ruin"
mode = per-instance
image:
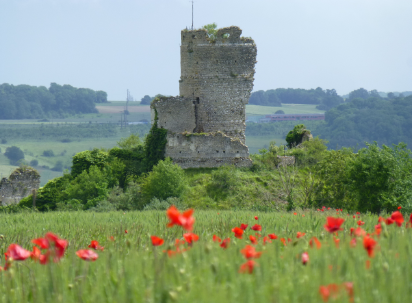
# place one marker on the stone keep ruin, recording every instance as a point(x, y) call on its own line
point(206, 124)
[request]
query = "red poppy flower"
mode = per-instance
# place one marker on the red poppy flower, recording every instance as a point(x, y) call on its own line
point(322, 209)
point(216, 239)
point(305, 258)
point(324, 292)
point(303, 215)
point(272, 236)
point(225, 243)
point(352, 230)
point(266, 239)
point(378, 229)
point(389, 221)
point(381, 219)
point(256, 227)
point(243, 226)
point(125, 231)
point(184, 220)
point(17, 253)
point(35, 254)
point(358, 213)
point(253, 240)
point(87, 254)
point(300, 235)
point(354, 216)
point(398, 218)
point(95, 245)
point(111, 238)
point(399, 207)
point(369, 245)
point(190, 238)
point(44, 259)
point(256, 218)
point(360, 223)
point(368, 264)
point(42, 242)
point(250, 253)
point(316, 241)
point(359, 232)
point(283, 241)
point(60, 245)
point(238, 232)
point(333, 224)
point(156, 241)
point(295, 214)
point(247, 267)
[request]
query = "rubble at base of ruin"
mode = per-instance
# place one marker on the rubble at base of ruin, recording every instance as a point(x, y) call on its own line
point(206, 123)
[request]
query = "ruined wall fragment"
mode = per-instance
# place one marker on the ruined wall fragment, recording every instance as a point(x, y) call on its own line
point(18, 186)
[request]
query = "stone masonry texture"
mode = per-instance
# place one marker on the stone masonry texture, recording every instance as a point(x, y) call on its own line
point(18, 186)
point(206, 124)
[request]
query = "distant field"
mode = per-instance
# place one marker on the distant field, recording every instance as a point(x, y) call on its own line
point(118, 109)
point(287, 108)
point(120, 103)
point(255, 143)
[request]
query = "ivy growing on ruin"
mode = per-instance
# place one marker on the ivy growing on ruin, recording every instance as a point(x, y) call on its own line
point(155, 145)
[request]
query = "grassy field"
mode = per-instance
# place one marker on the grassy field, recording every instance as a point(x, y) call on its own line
point(287, 108)
point(130, 269)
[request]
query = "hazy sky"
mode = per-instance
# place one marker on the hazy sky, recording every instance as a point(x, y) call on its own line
point(114, 45)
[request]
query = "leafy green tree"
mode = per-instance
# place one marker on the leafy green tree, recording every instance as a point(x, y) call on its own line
point(280, 112)
point(359, 93)
point(381, 178)
point(294, 137)
point(164, 181)
point(146, 100)
point(84, 160)
point(131, 142)
point(14, 154)
point(332, 186)
point(101, 97)
point(89, 187)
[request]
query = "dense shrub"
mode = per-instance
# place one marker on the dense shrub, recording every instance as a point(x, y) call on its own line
point(48, 153)
point(83, 160)
point(34, 162)
point(164, 181)
point(14, 154)
point(381, 178)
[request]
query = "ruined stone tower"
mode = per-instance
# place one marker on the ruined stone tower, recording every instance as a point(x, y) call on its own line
point(206, 124)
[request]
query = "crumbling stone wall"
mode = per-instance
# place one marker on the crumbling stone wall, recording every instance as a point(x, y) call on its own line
point(18, 186)
point(215, 85)
point(286, 160)
point(206, 150)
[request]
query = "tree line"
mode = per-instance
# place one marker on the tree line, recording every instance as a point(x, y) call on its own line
point(367, 119)
point(32, 102)
point(325, 99)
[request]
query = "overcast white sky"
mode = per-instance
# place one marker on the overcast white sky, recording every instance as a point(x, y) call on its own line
point(114, 45)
